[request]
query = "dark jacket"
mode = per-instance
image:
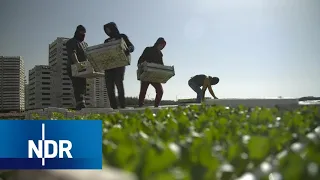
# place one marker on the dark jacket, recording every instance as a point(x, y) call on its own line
point(151, 55)
point(115, 35)
point(74, 46)
point(199, 79)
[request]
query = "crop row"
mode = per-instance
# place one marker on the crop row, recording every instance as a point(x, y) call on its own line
point(201, 142)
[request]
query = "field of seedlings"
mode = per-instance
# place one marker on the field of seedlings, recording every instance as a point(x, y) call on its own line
point(214, 142)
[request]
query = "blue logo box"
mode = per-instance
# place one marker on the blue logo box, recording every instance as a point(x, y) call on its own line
point(51, 144)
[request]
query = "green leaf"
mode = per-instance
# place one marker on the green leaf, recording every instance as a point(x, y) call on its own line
point(258, 147)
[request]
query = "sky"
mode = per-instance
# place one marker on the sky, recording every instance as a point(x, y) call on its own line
point(258, 48)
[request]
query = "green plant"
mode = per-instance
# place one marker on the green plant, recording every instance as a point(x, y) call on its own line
point(201, 142)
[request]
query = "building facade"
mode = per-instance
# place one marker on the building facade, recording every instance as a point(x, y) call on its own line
point(26, 97)
point(90, 93)
point(102, 99)
point(12, 84)
point(39, 88)
point(61, 84)
point(50, 86)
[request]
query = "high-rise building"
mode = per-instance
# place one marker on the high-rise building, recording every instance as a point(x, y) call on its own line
point(26, 97)
point(12, 84)
point(39, 88)
point(90, 93)
point(61, 83)
point(102, 99)
point(62, 89)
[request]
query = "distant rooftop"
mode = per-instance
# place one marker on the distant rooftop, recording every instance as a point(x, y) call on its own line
point(11, 57)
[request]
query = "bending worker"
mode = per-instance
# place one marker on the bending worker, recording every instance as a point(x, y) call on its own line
point(201, 80)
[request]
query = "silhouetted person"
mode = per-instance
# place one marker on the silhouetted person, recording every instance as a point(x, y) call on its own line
point(114, 77)
point(201, 80)
point(152, 54)
point(75, 49)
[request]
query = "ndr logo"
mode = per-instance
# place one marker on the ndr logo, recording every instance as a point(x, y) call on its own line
point(63, 146)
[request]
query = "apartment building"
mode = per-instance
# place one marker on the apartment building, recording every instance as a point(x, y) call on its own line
point(101, 95)
point(60, 81)
point(12, 84)
point(26, 96)
point(39, 88)
point(61, 84)
point(90, 93)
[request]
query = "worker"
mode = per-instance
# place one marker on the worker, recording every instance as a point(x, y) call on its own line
point(152, 54)
point(201, 80)
point(114, 77)
point(76, 53)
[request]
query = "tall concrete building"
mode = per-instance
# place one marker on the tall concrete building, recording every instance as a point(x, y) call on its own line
point(26, 97)
point(102, 99)
point(60, 81)
point(62, 89)
point(50, 86)
point(39, 88)
point(12, 84)
point(91, 93)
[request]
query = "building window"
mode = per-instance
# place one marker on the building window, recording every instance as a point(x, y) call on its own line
point(45, 94)
point(45, 83)
point(45, 88)
point(45, 77)
point(45, 99)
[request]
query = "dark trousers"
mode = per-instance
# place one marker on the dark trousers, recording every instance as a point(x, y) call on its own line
point(143, 90)
point(79, 90)
point(114, 77)
point(196, 88)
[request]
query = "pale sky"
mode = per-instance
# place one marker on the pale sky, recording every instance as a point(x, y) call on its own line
point(258, 48)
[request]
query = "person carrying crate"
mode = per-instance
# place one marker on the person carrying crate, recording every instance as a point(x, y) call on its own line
point(76, 53)
point(114, 77)
point(152, 54)
point(201, 80)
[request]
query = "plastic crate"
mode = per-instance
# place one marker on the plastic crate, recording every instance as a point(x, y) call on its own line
point(157, 73)
point(108, 55)
point(85, 70)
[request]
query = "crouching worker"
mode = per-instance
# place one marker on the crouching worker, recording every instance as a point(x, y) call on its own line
point(152, 54)
point(114, 77)
point(201, 80)
point(76, 53)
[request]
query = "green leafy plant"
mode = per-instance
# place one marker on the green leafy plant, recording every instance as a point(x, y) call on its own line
point(211, 142)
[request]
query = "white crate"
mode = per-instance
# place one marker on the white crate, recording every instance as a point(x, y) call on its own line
point(108, 55)
point(152, 72)
point(85, 70)
point(254, 102)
